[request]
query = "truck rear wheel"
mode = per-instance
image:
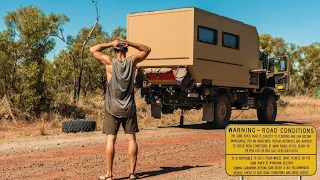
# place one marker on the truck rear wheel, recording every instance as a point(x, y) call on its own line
point(222, 112)
point(268, 113)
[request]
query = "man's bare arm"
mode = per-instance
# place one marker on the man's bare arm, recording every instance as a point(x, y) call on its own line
point(143, 54)
point(96, 51)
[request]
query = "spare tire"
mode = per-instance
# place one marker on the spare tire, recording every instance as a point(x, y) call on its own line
point(78, 125)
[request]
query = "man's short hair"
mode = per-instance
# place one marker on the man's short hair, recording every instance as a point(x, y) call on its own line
point(121, 49)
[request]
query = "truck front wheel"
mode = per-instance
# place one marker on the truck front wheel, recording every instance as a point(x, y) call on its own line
point(268, 113)
point(222, 112)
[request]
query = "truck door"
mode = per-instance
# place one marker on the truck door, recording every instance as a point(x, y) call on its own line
point(279, 69)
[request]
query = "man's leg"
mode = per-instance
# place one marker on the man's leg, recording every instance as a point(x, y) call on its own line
point(110, 128)
point(130, 126)
point(111, 140)
point(132, 151)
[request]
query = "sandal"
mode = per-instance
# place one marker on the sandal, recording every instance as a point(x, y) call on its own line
point(105, 177)
point(133, 174)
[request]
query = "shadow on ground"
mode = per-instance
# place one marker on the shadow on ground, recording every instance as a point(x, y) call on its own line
point(70, 111)
point(206, 126)
point(163, 170)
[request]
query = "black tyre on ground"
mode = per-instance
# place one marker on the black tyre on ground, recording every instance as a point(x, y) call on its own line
point(222, 112)
point(268, 113)
point(78, 125)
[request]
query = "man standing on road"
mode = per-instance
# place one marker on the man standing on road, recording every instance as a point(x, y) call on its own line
point(120, 105)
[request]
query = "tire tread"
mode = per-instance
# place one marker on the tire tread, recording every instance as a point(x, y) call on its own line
point(78, 125)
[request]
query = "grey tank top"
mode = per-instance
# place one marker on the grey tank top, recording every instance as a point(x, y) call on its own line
point(119, 98)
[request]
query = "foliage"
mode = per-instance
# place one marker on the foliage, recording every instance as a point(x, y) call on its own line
point(36, 85)
point(94, 76)
point(24, 44)
point(310, 67)
point(304, 63)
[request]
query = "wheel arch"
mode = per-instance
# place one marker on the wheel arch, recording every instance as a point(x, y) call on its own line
point(226, 92)
point(267, 91)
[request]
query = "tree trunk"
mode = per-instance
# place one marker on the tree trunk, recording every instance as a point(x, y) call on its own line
point(74, 78)
point(13, 80)
point(5, 85)
point(40, 87)
point(79, 80)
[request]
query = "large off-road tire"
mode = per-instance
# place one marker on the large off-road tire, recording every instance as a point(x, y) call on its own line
point(268, 113)
point(78, 125)
point(222, 112)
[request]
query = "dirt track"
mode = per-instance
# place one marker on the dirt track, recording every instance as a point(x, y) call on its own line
point(192, 152)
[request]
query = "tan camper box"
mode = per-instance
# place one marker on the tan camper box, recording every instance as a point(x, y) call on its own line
point(212, 46)
point(203, 60)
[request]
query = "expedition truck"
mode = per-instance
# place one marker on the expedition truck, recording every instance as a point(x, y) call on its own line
point(200, 60)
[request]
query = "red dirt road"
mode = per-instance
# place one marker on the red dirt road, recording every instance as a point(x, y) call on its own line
point(192, 152)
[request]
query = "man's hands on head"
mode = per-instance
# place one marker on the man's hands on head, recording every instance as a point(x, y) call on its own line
point(96, 50)
point(120, 42)
point(143, 54)
point(115, 44)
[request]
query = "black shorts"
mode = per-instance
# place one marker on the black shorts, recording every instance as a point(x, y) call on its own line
point(111, 124)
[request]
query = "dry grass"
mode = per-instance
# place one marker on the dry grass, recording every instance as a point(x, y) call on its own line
point(288, 106)
point(298, 106)
point(93, 108)
point(42, 130)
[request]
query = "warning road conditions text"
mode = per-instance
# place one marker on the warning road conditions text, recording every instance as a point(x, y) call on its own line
point(270, 150)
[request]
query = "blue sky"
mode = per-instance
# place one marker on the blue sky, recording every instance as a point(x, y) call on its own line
point(296, 21)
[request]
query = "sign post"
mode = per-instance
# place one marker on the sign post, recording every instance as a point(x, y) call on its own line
point(271, 150)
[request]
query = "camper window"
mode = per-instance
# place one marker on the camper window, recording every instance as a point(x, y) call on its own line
point(230, 40)
point(207, 35)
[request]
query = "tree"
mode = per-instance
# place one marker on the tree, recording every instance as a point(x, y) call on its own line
point(68, 41)
point(310, 67)
point(271, 45)
point(28, 38)
point(278, 47)
point(10, 55)
point(94, 77)
point(304, 62)
point(62, 68)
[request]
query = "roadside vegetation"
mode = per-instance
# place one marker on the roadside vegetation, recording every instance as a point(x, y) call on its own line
point(292, 107)
point(38, 94)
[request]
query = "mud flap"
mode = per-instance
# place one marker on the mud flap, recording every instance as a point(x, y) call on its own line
point(139, 78)
point(208, 112)
point(156, 111)
point(184, 79)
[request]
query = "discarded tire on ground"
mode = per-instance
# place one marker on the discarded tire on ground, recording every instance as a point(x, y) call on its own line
point(78, 125)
